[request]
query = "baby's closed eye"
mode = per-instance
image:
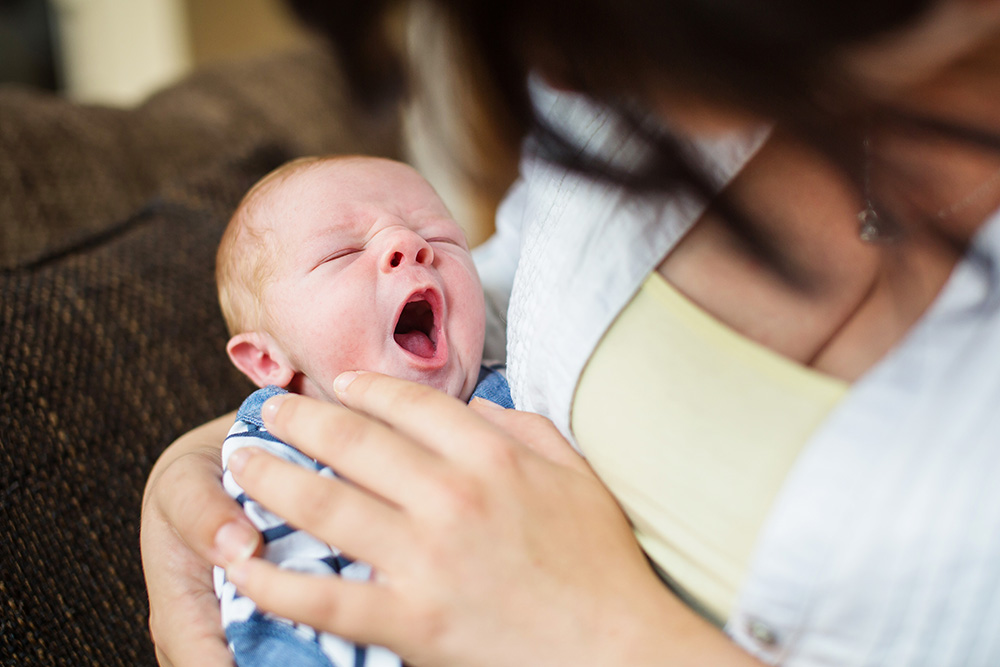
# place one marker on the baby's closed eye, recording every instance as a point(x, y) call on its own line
point(339, 254)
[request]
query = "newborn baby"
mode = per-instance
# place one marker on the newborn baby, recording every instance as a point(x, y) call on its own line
point(329, 265)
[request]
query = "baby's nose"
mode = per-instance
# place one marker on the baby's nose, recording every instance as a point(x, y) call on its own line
point(404, 247)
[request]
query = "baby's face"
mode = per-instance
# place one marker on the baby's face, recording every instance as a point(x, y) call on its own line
point(371, 273)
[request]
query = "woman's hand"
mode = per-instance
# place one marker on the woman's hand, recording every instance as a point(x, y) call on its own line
point(493, 541)
point(189, 523)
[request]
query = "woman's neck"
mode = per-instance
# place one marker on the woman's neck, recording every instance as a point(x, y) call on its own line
point(953, 182)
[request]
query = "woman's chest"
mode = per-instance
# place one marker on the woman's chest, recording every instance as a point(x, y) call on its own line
point(845, 310)
point(888, 499)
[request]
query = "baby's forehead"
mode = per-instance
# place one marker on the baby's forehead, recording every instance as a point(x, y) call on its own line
point(368, 180)
point(352, 199)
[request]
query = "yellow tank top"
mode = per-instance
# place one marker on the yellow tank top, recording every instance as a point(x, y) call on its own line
point(694, 427)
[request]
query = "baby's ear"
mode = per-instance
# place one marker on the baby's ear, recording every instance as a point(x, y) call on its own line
point(260, 359)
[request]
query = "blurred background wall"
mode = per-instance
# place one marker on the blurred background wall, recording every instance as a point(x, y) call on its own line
point(118, 51)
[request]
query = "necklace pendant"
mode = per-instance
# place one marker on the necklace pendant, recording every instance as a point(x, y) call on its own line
point(869, 230)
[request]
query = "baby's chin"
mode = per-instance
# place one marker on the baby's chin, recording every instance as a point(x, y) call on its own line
point(319, 391)
point(460, 386)
point(455, 379)
point(454, 383)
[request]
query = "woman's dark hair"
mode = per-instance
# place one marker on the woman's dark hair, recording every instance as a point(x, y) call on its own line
point(775, 58)
point(765, 55)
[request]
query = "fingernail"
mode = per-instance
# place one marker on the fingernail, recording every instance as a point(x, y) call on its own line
point(238, 460)
point(484, 403)
point(236, 541)
point(270, 407)
point(344, 380)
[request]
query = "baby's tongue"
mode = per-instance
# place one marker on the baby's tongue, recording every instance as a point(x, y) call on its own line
point(416, 342)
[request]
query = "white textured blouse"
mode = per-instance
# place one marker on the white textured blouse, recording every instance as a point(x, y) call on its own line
point(883, 546)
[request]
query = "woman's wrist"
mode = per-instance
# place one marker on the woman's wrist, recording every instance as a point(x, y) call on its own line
point(660, 629)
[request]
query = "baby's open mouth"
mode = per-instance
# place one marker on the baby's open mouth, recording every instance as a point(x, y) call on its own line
point(415, 331)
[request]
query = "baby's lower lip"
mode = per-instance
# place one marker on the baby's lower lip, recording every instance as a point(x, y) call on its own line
point(425, 367)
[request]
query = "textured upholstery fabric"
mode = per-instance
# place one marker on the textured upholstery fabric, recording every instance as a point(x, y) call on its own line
point(111, 343)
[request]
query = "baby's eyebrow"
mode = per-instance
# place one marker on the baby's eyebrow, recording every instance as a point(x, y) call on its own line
point(316, 246)
point(343, 229)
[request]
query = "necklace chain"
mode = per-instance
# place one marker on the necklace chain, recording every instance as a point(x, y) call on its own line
point(872, 228)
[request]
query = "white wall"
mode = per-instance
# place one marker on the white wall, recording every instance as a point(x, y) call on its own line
point(118, 51)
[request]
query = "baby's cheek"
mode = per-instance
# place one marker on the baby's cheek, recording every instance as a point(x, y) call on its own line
point(471, 313)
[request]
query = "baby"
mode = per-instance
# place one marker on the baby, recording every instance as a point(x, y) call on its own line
point(329, 265)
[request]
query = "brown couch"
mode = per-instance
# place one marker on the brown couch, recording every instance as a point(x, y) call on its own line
point(111, 343)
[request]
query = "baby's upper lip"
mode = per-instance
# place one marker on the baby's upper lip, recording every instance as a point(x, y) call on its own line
point(417, 319)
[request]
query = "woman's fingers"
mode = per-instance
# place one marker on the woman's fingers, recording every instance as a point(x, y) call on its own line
point(184, 507)
point(355, 447)
point(363, 526)
point(536, 432)
point(184, 612)
point(507, 515)
point(185, 488)
point(436, 420)
point(205, 517)
point(358, 611)
point(191, 634)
